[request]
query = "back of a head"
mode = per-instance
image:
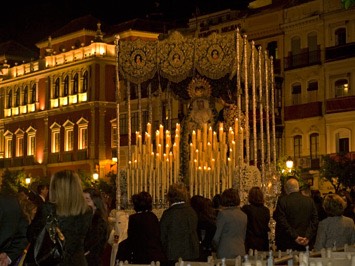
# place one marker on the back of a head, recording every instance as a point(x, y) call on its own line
point(177, 193)
point(256, 196)
point(230, 197)
point(142, 201)
point(66, 192)
point(334, 205)
point(292, 185)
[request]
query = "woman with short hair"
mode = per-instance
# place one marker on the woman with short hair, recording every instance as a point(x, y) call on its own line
point(336, 230)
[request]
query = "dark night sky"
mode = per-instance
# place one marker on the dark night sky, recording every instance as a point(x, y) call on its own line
point(34, 20)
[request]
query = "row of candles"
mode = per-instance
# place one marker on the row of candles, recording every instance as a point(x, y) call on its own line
point(212, 161)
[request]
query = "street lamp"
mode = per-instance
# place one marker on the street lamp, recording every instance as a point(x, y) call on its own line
point(289, 164)
point(28, 180)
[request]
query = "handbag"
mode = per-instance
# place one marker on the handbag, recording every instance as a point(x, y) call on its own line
point(48, 248)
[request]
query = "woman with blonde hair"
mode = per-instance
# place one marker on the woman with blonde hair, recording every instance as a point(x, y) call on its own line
point(66, 199)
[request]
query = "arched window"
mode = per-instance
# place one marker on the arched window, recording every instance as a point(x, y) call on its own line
point(312, 90)
point(56, 88)
point(85, 81)
point(340, 36)
point(9, 99)
point(33, 94)
point(314, 145)
point(76, 84)
point(17, 99)
point(66, 86)
point(25, 96)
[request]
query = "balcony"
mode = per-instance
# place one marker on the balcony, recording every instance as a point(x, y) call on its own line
point(303, 59)
point(302, 111)
point(339, 52)
point(308, 163)
point(340, 104)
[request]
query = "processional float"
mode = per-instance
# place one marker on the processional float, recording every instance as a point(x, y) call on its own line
point(209, 149)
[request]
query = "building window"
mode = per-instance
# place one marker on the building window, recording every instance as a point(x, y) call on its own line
point(31, 141)
point(113, 135)
point(297, 146)
point(82, 134)
point(68, 136)
point(76, 84)
point(8, 144)
point(85, 81)
point(9, 99)
point(314, 145)
point(19, 142)
point(55, 138)
point(296, 94)
point(312, 91)
point(340, 36)
point(341, 87)
point(272, 49)
point(123, 124)
point(56, 88)
point(342, 141)
point(66, 86)
point(25, 96)
point(134, 119)
point(17, 97)
point(312, 47)
point(34, 94)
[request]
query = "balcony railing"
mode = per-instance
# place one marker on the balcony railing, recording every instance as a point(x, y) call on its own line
point(303, 111)
point(339, 52)
point(302, 59)
point(340, 104)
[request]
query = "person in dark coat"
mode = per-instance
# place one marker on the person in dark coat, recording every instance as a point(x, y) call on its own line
point(74, 216)
point(296, 218)
point(178, 226)
point(206, 226)
point(257, 237)
point(13, 226)
point(143, 244)
point(97, 236)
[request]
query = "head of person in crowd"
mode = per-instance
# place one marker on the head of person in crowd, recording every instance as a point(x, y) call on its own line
point(177, 193)
point(216, 201)
point(256, 196)
point(28, 207)
point(142, 202)
point(42, 191)
point(66, 192)
point(230, 197)
point(292, 185)
point(334, 205)
point(95, 200)
point(306, 190)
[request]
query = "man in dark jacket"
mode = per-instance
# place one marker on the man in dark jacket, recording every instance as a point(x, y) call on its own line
point(296, 218)
point(13, 227)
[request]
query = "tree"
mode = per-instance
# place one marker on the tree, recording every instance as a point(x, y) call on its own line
point(347, 3)
point(338, 170)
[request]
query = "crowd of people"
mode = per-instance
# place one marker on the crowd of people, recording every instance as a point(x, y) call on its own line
point(191, 228)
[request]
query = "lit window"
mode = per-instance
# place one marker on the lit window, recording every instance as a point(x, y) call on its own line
point(341, 87)
point(55, 138)
point(19, 142)
point(8, 144)
point(68, 135)
point(31, 141)
point(82, 134)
